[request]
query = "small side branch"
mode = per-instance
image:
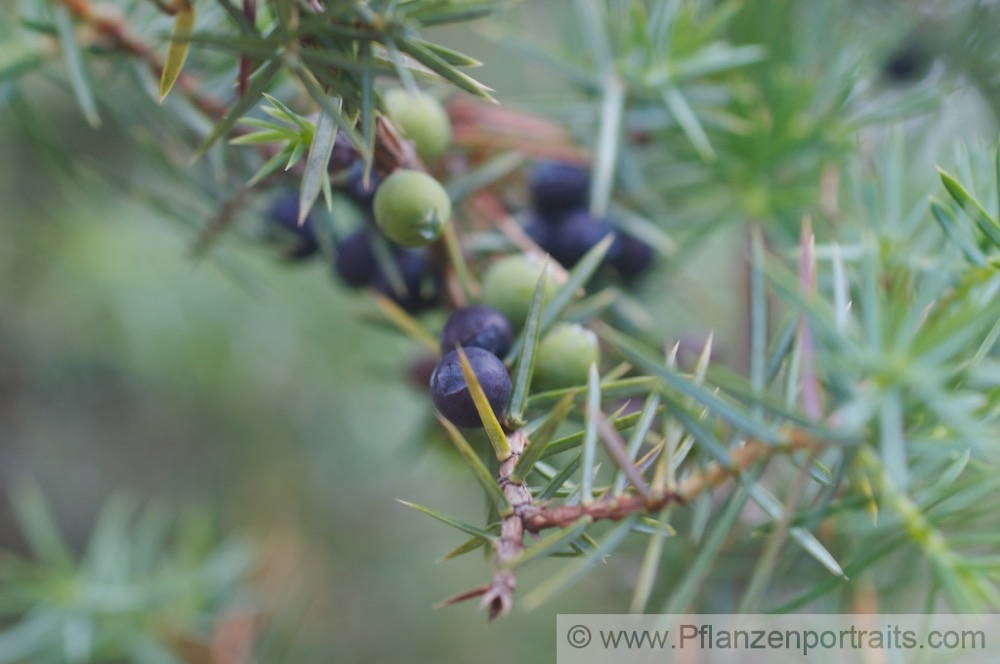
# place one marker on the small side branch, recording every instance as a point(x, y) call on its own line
point(613, 509)
point(113, 28)
point(525, 516)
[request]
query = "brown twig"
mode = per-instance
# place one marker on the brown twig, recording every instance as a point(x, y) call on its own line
point(462, 596)
point(500, 596)
point(525, 516)
point(392, 151)
point(219, 222)
point(811, 399)
point(480, 127)
point(610, 509)
point(112, 27)
point(246, 63)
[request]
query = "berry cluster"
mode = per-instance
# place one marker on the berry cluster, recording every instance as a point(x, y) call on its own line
point(562, 359)
point(356, 262)
point(562, 225)
point(485, 335)
point(406, 211)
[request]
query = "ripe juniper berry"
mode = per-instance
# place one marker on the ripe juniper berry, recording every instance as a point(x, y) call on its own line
point(355, 262)
point(344, 155)
point(422, 287)
point(300, 241)
point(450, 392)
point(909, 63)
point(577, 233)
point(634, 257)
point(557, 185)
point(354, 186)
point(479, 327)
point(540, 230)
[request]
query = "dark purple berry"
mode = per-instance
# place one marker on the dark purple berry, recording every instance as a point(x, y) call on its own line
point(354, 186)
point(421, 369)
point(422, 287)
point(557, 185)
point(577, 234)
point(540, 231)
point(356, 263)
point(634, 257)
point(478, 327)
point(300, 240)
point(450, 392)
point(344, 154)
point(357, 266)
point(909, 63)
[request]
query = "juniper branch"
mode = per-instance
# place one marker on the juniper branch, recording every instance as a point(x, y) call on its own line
point(525, 516)
point(119, 34)
point(391, 151)
point(500, 596)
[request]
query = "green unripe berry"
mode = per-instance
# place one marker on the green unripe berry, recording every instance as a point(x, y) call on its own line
point(422, 119)
point(509, 286)
point(564, 357)
point(411, 208)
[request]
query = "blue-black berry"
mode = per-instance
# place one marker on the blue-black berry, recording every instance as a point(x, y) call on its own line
point(634, 257)
point(908, 63)
point(300, 241)
point(478, 327)
point(557, 185)
point(357, 266)
point(343, 156)
point(354, 186)
point(422, 287)
point(576, 234)
point(355, 262)
point(450, 392)
point(540, 230)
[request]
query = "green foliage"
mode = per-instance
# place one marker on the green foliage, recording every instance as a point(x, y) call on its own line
point(288, 127)
point(332, 52)
point(147, 580)
point(879, 366)
point(849, 441)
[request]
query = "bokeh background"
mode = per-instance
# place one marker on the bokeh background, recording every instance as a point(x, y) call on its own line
point(259, 393)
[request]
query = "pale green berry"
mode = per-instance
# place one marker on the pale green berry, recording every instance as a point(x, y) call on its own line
point(422, 119)
point(509, 286)
point(411, 208)
point(564, 357)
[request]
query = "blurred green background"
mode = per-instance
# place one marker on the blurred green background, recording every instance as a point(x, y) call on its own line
point(237, 382)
